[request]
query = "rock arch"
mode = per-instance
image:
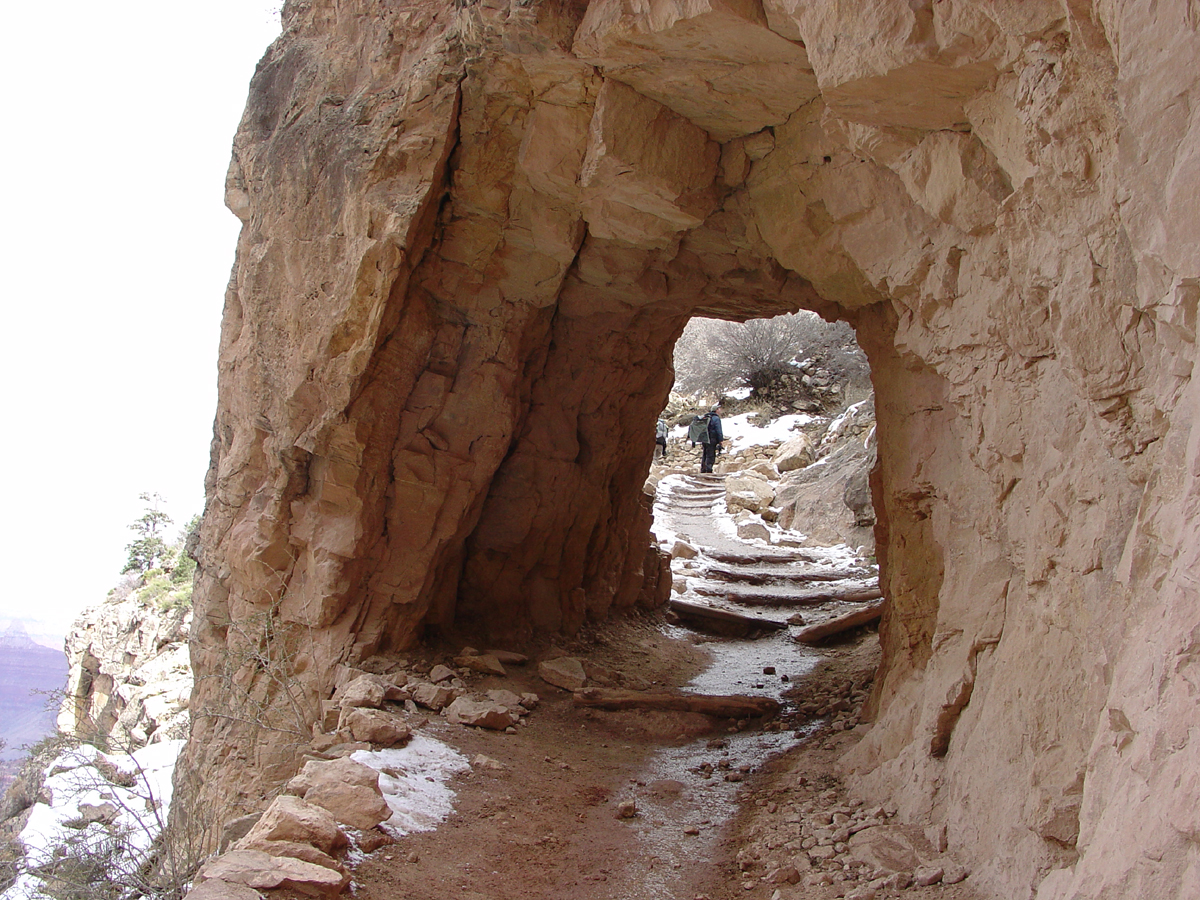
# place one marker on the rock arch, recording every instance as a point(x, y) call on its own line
point(471, 235)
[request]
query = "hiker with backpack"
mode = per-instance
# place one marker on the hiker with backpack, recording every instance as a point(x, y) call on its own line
point(706, 431)
point(660, 436)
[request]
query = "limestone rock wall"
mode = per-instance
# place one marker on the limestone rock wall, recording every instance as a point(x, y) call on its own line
point(128, 679)
point(472, 232)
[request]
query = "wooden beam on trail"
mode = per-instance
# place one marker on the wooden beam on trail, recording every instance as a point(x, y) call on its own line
point(840, 624)
point(722, 620)
point(859, 596)
point(734, 706)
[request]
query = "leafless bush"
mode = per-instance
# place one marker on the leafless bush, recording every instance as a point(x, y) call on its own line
point(258, 671)
point(714, 356)
point(116, 846)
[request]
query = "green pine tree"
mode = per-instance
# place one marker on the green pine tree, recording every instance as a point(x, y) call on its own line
point(148, 549)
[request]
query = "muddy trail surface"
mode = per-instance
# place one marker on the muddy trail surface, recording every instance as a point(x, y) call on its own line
point(651, 803)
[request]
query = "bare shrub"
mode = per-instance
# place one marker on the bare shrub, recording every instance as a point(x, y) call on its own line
point(116, 845)
point(714, 356)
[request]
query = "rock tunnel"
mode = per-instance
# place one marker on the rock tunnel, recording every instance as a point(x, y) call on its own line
point(471, 235)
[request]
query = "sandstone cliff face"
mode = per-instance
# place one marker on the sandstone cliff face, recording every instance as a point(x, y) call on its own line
point(472, 233)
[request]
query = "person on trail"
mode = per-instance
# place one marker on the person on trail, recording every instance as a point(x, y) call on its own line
point(660, 436)
point(711, 439)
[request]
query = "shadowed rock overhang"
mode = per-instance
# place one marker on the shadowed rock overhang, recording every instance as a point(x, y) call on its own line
point(471, 234)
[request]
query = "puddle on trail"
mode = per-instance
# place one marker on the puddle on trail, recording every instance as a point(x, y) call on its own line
point(675, 796)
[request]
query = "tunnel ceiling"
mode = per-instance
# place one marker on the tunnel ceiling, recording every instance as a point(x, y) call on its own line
point(473, 231)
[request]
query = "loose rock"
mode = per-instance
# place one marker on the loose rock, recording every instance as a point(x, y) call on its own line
point(565, 672)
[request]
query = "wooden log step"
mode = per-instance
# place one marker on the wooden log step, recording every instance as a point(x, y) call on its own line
point(865, 595)
point(813, 633)
point(722, 620)
point(748, 575)
point(733, 706)
point(784, 595)
point(765, 558)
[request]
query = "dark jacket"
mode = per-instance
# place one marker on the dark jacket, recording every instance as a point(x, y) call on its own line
point(715, 434)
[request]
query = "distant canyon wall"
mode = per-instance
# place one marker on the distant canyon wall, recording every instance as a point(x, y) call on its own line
point(473, 231)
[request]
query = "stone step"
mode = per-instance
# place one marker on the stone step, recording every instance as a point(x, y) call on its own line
point(694, 492)
point(781, 595)
point(758, 557)
point(788, 573)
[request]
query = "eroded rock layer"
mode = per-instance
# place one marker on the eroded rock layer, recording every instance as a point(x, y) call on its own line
point(472, 232)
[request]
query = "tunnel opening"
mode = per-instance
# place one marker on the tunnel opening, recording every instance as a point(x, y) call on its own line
point(792, 379)
point(443, 354)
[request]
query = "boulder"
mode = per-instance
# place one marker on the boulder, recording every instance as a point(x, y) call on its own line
point(333, 771)
point(480, 713)
point(508, 657)
point(440, 673)
point(351, 804)
point(348, 790)
point(749, 491)
point(375, 726)
point(290, 818)
point(794, 453)
point(890, 848)
point(432, 696)
point(766, 469)
point(753, 531)
point(857, 495)
point(236, 829)
point(365, 690)
point(683, 550)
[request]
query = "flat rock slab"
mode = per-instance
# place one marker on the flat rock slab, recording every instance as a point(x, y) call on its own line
point(891, 848)
point(215, 889)
point(722, 620)
point(481, 714)
point(732, 706)
point(485, 664)
point(565, 672)
point(256, 869)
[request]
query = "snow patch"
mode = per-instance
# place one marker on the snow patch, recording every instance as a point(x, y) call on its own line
point(742, 434)
point(135, 789)
point(413, 780)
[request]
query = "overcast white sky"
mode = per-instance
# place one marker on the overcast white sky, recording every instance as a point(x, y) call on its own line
point(116, 248)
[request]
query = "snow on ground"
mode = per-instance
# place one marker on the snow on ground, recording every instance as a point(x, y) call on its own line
point(742, 434)
point(132, 791)
point(413, 780)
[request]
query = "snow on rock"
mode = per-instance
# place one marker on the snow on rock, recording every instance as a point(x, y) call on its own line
point(414, 780)
point(124, 799)
point(741, 433)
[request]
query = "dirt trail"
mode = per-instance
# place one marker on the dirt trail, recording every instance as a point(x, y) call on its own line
point(723, 809)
